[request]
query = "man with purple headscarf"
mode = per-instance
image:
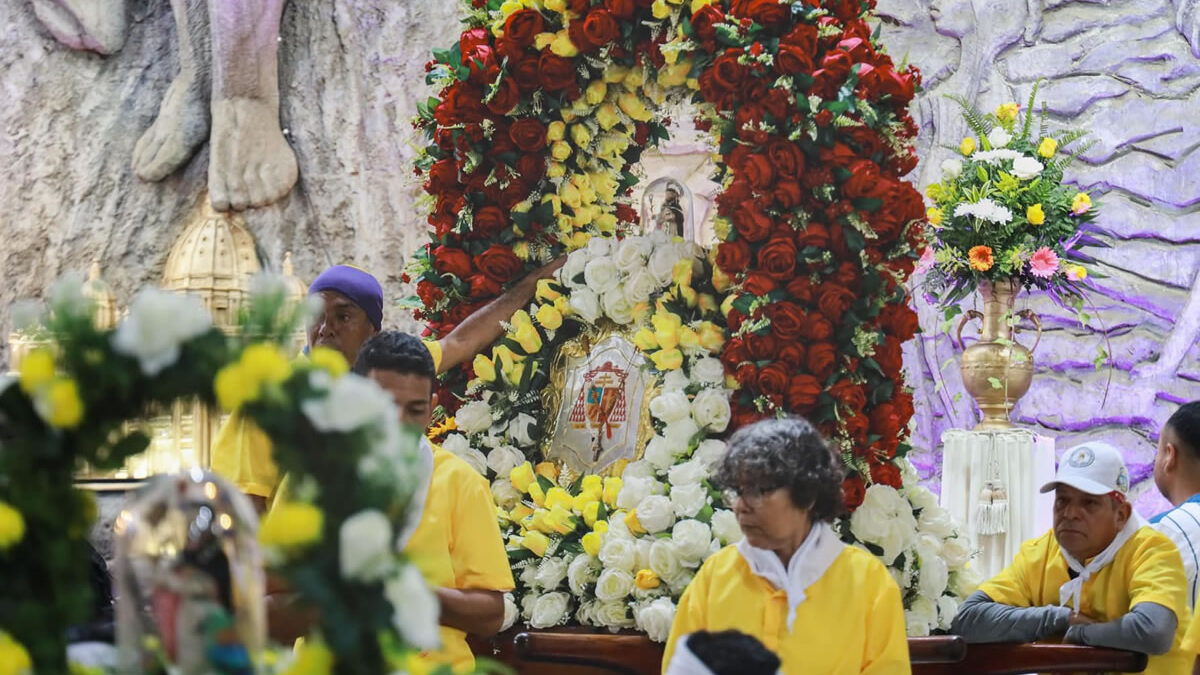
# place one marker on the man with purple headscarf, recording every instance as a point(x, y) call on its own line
point(351, 312)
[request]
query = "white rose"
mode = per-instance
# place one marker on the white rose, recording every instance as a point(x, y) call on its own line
point(956, 551)
point(505, 495)
point(365, 546)
point(1026, 167)
point(464, 451)
point(920, 497)
point(664, 559)
point(473, 418)
point(710, 452)
point(708, 370)
point(655, 513)
point(586, 613)
point(999, 138)
point(952, 168)
point(679, 583)
point(415, 609)
point(585, 304)
point(527, 602)
point(504, 459)
point(675, 380)
point(687, 473)
point(549, 610)
point(641, 559)
point(528, 575)
point(725, 527)
point(573, 268)
point(633, 491)
point(903, 580)
point(550, 573)
point(583, 570)
point(655, 619)
point(692, 539)
point(659, 238)
point(631, 254)
point(601, 275)
point(885, 519)
point(671, 407)
point(947, 609)
point(680, 433)
point(617, 307)
point(936, 521)
point(599, 247)
point(934, 575)
point(908, 472)
point(614, 584)
point(638, 469)
point(511, 612)
point(920, 617)
point(519, 428)
point(612, 614)
point(158, 324)
point(688, 500)
point(711, 409)
point(353, 402)
point(662, 262)
point(640, 285)
point(618, 553)
point(659, 453)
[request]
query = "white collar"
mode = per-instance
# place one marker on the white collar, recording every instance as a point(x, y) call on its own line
point(1069, 594)
point(808, 564)
point(416, 507)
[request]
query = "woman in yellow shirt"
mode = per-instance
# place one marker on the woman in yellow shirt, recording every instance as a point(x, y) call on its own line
point(821, 606)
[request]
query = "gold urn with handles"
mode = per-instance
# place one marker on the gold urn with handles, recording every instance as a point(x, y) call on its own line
point(996, 370)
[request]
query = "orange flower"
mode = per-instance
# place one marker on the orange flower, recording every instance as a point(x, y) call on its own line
point(981, 258)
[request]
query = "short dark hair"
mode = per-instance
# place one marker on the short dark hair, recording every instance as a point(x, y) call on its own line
point(397, 352)
point(1185, 422)
point(731, 652)
point(790, 453)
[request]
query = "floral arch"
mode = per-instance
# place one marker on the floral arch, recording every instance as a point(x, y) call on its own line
point(544, 108)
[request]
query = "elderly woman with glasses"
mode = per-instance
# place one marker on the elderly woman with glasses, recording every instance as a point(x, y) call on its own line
point(822, 606)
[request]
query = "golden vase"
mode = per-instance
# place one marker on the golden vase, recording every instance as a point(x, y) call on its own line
point(996, 370)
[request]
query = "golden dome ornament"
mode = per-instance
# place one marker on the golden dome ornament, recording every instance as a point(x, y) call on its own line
point(214, 258)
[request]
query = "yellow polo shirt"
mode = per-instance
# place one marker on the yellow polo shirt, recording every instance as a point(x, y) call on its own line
point(1146, 569)
point(241, 452)
point(851, 622)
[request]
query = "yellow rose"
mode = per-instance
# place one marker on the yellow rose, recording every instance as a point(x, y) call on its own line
point(560, 303)
point(591, 543)
point(1035, 215)
point(631, 105)
point(485, 368)
point(563, 46)
point(667, 359)
point(612, 488)
point(536, 542)
point(712, 337)
point(580, 135)
point(592, 485)
point(562, 520)
point(556, 131)
point(520, 248)
point(329, 360)
point(578, 241)
point(557, 496)
point(607, 117)
point(1081, 203)
point(537, 494)
point(934, 216)
point(559, 6)
point(633, 524)
point(681, 272)
point(556, 170)
point(414, 664)
point(688, 339)
point(1047, 147)
point(37, 369)
point(506, 357)
point(546, 291)
point(640, 312)
point(727, 304)
point(666, 329)
point(675, 75)
point(291, 525)
point(547, 470)
point(12, 526)
point(560, 151)
point(698, 5)
point(520, 512)
point(522, 476)
point(549, 317)
point(606, 223)
point(60, 404)
point(646, 579)
point(721, 281)
point(645, 340)
point(1007, 112)
point(571, 196)
point(660, 9)
point(707, 303)
point(614, 73)
point(601, 526)
point(1076, 272)
point(595, 92)
point(540, 521)
point(591, 511)
point(14, 660)
point(528, 337)
point(542, 40)
point(967, 146)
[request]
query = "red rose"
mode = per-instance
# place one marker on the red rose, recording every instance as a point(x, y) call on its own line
point(899, 321)
point(787, 319)
point(904, 406)
point(705, 20)
point(514, 194)
point(737, 157)
point(461, 104)
point(803, 391)
point(747, 121)
point(867, 140)
point(777, 258)
point(847, 274)
point(733, 256)
point(793, 60)
point(528, 134)
point(507, 95)
point(803, 36)
point(773, 380)
point(901, 87)
point(886, 473)
point(813, 234)
point(849, 394)
point(472, 39)
point(821, 358)
point(793, 353)
point(483, 287)
point(443, 176)
point(832, 73)
point(754, 89)
point(452, 261)
point(600, 27)
point(854, 491)
point(499, 263)
point(834, 301)
point(531, 167)
point(743, 417)
point(622, 9)
point(488, 221)
point(905, 202)
point(738, 192)
point(734, 354)
point(777, 104)
point(751, 223)
point(787, 157)
point(757, 283)
point(857, 427)
point(890, 357)
point(789, 193)
point(759, 172)
point(801, 288)
point(859, 49)
point(482, 64)
point(745, 374)
point(760, 347)
point(863, 181)
point(817, 328)
point(428, 292)
point(727, 72)
point(885, 423)
point(524, 72)
point(554, 72)
point(521, 26)
point(771, 15)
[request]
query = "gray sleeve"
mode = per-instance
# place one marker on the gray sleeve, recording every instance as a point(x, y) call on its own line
point(1148, 628)
point(980, 619)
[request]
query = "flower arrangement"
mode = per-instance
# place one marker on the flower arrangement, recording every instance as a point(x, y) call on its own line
point(333, 543)
point(1001, 211)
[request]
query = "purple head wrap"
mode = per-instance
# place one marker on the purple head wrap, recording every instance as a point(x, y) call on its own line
point(362, 289)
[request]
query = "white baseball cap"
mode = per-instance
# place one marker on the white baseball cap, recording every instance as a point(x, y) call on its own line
point(1094, 467)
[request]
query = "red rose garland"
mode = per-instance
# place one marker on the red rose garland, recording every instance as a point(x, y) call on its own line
point(818, 231)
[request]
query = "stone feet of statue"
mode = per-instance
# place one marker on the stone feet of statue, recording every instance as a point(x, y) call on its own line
point(250, 162)
point(181, 126)
point(94, 25)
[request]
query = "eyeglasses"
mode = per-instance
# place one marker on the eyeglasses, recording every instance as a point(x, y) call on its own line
point(753, 497)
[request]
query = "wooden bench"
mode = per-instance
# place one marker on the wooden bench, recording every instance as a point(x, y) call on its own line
point(585, 651)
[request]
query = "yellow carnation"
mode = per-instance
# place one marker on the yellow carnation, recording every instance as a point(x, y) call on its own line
point(967, 146)
point(646, 580)
point(935, 216)
point(698, 5)
point(37, 369)
point(660, 9)
point(485, 368)
point(614, 73)
point(560, 151)
point(522, 476)
point(688, 339)
point(536, 542)
point(1035, 215)
point(1007, 112)
point(721, 281)
point(580, 135)
point(645, 340)
point(556, 131)
point(1081, 203)
point(330, 360)
point(605, 222)
point(291, 525)
point(591, 543)
point(1047, 147)
point(60, 404)
point(12, 527)
point(675, 75)
point(556, 170)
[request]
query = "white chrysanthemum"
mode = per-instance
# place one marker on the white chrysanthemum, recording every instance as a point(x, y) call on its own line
point(415, 609)
point(985, 209)
point(158, 324)
point(995, 156)
point(352, 402)
point(365, 546)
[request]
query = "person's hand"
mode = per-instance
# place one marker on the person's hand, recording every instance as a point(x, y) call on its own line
point(1078, 619)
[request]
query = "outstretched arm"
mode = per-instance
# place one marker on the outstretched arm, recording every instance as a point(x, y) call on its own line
point(483, 328)
point(1148, 628)
point(980, 619)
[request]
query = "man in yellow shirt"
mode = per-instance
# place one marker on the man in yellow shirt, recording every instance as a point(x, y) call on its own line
point(352, 311)
point(1101, 577)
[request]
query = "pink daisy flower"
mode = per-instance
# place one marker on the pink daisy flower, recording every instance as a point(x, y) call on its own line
point(926, 262)
point(1044, 263)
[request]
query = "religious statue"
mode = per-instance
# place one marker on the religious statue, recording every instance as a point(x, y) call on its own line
point(667, 206)
point(227, 91)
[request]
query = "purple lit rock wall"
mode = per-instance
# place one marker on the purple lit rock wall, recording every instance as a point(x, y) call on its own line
point(1129, 72)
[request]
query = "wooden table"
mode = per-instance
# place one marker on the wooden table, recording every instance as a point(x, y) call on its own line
point(585, 651)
